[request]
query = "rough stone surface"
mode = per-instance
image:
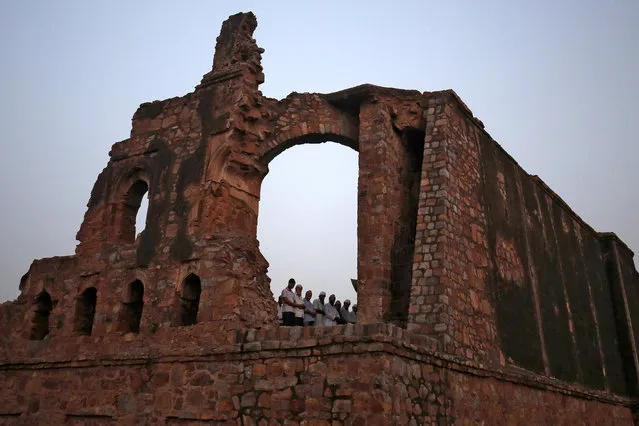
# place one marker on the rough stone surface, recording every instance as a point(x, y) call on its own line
point(483, 298)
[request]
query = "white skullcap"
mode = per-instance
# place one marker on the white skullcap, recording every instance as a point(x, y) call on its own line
point(322, 293)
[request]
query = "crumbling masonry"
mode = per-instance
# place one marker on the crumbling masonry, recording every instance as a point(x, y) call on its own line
point(484, 299)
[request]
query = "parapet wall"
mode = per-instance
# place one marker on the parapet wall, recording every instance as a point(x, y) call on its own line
point(373, 374)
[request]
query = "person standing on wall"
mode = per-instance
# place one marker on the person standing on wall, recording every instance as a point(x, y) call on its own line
point(318, 306)
point(338, 307)
point(299, 306)
point(288, 304)
point(279, 310)
point(330, 312)
point(309, 312)
point(347, 315)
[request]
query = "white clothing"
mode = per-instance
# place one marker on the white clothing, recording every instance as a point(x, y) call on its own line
point(308, 309)
point(299, 300)
point(318, 306)
point(330, 314)
point(290, 296)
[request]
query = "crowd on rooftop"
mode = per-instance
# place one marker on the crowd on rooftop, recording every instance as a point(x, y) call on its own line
point(294, 309)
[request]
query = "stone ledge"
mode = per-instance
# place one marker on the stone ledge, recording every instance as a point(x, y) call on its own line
point(292, 342)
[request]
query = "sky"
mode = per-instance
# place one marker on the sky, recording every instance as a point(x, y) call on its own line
point(554, 83)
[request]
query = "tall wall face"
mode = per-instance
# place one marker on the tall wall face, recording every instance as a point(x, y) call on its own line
point(507, 274)
point(449, 295)
point(500, 296)
point(552, 297)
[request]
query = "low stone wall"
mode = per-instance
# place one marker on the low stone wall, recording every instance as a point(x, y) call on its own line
point(352, 375)
point(489, 401)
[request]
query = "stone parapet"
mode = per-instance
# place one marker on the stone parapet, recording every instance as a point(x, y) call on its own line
point(372, 373)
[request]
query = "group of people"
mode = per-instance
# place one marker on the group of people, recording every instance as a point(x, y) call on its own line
point(295, 310)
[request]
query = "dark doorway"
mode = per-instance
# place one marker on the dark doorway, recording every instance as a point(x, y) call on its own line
point(85, 311)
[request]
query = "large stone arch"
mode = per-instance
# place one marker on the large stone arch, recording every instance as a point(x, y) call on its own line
point(309, 118)
point(306, 118)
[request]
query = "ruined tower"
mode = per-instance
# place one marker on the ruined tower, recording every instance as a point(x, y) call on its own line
point(483, 297)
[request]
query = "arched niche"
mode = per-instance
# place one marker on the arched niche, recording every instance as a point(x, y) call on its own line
point(190, 300)
point(131, 313)
point(85, 311)
point(42, 306)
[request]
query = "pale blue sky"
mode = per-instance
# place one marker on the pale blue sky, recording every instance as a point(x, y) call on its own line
point(554, 82)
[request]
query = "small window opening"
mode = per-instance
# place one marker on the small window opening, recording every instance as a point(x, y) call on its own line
point(132, 312)
point(85, 311)
point(41, 313)
point(190, 300)
point(135, 211)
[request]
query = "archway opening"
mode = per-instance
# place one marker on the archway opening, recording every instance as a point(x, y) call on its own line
point(41, 312)
point(85, 311)
point(307, 223)
point(190, 299)
point(132, 310)
point(135, 211)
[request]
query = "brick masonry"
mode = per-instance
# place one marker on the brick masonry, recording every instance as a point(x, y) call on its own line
point(483, 298)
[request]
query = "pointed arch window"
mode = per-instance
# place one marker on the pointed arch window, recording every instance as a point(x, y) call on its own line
point(40, 319)
point(132, 201)
point(190, 299)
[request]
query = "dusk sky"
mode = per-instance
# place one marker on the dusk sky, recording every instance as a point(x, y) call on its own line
point(555, 83)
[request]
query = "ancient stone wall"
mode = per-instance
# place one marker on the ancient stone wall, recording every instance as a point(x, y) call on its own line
point(449, 297)
point(506, 273)
point(375, 374)
point(482, 296)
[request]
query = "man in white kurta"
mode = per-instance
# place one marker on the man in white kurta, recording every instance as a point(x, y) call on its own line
point(299, 308)
point(318, 305)
point(330, 312)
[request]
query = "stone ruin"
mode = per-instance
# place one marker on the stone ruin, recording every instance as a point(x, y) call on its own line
point(483, 298)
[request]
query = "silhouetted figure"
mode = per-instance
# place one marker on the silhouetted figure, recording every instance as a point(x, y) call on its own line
point(338, 307)
point(347, 315)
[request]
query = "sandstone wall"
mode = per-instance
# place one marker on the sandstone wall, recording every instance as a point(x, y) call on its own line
point(354, 375)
